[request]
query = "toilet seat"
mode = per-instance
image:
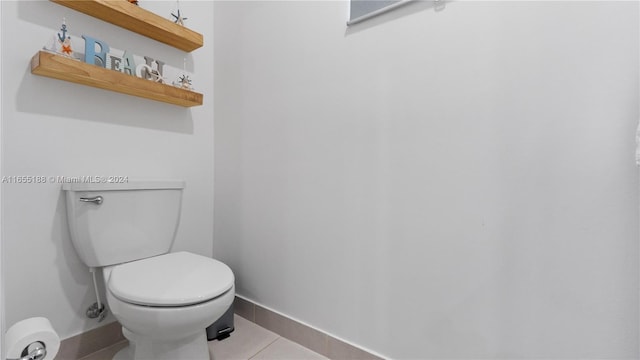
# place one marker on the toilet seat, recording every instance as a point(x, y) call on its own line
point(170, 280)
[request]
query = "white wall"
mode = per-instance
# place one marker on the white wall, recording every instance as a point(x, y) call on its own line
point(434, 184)
point(2, 313)
point(56, 128)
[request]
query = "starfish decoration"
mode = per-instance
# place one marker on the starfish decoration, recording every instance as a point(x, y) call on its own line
point(155, 77)
point(185, 82)
point(179, 19)
point(66, 49)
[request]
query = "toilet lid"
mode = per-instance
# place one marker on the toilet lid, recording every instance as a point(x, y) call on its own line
point(175, 279)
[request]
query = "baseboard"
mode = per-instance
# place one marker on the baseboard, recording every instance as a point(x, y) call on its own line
point(303, 334)
point(89, 342)
point(94, 340)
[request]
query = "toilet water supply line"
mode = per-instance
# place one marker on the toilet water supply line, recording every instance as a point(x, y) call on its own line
point(97, 310)
point(95, 286)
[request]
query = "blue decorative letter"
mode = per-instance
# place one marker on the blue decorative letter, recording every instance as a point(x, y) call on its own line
point(90, 54)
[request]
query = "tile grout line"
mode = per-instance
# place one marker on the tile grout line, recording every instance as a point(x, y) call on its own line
point(266, 346)
point(104, 348)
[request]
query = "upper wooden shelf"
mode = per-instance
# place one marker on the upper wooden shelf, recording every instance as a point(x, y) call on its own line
point(139, 20)
point(63, 68)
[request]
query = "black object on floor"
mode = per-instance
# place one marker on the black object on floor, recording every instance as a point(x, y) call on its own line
point(223, 327)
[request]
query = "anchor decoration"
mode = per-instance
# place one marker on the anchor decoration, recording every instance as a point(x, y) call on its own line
point(64, 30)
point(61, 42)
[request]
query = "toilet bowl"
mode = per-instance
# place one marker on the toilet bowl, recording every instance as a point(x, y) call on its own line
point(163, 300)
point(169, 296)
point(166, 301)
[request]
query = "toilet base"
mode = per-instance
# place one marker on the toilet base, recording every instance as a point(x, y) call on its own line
point(140, 348)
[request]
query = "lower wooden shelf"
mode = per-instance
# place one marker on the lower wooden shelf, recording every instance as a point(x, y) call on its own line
point(63, 68)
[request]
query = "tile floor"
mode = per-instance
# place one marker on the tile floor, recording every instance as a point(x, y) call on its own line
point(248, 341)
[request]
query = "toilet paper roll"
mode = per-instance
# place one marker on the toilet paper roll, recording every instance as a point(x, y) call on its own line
point(25, 332)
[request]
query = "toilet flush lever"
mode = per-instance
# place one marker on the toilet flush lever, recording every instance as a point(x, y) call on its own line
point(96, 199)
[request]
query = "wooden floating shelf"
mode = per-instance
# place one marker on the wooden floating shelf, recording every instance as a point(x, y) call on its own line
point(134, 18)
point(63, 68)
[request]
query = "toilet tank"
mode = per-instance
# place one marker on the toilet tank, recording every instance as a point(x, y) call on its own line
point(135, 220)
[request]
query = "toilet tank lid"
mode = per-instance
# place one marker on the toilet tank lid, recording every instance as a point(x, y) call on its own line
point(121, 184)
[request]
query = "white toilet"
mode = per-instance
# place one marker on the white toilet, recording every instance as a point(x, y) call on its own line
point(164, 301)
